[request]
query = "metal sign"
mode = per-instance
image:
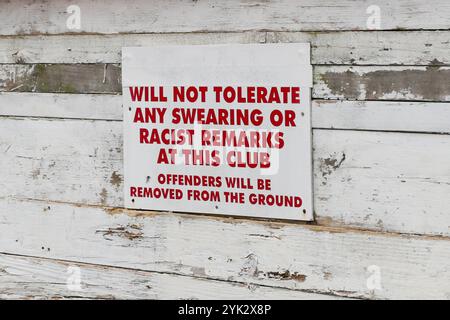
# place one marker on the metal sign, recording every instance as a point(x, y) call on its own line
point(221, 129)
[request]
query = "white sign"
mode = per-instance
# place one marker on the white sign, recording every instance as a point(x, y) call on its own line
point(221, 129)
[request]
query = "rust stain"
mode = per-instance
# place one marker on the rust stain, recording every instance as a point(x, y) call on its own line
point(130, 212)
point(329, 221)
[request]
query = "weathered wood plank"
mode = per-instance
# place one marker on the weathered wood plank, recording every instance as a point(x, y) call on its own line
point(139, 16)
point(335, 48)
point(55, 105)
point(59, 159)
point(299, 257)
point(373, 48)
point(330, 82)
point(67, 78)
point(382, 115)
point(429, 117)
point(371, 180)
point(34, 278)
point(382, 83)
point(84, 48)
point(382, 180)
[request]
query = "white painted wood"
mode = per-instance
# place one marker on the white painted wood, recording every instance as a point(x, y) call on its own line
point(372, 48)
point(84, 48)
point(34, 278)
point(300, 257)
point(384, 181)
point(381, 83)
point(71, 106)
point(382, 115)
point(328, 114)
point(139, 16)
point(68, 160)
point(347, 47)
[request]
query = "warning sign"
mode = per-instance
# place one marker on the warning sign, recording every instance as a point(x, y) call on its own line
point(221, 129)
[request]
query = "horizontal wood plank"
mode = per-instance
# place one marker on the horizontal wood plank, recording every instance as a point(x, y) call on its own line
point(330, 82)
point(67, 78)
point(139, 16)
point(375, 180)
point(327, 48)
point(382, 83)
point(430, 117)
point(24, 277)
point(85, 48)
point(298, 257)
point(56, 105)
point(372, 48)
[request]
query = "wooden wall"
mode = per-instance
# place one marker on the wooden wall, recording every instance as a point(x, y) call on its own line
point(381, 119)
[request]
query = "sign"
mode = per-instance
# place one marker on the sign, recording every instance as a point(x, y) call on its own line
point(221, 129)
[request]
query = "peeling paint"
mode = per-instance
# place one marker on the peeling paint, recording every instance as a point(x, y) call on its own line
point(94, 78)
point(250, 267)
point(429, 84)
point(130, 232)
point(116, 179)
point(328, 165)
point(286, 275)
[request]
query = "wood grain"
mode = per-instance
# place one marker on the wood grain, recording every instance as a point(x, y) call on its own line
point(327, 48)
point(372, 48)
point(299, 257)
point(330, 82)
point(67, 78)
point(429, 117)
point(370, 180)
point(55, 105)
point(139, 16)
point(35, 278)
point(382, 83)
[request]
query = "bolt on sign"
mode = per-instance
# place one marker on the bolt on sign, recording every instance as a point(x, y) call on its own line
point(220, 129)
